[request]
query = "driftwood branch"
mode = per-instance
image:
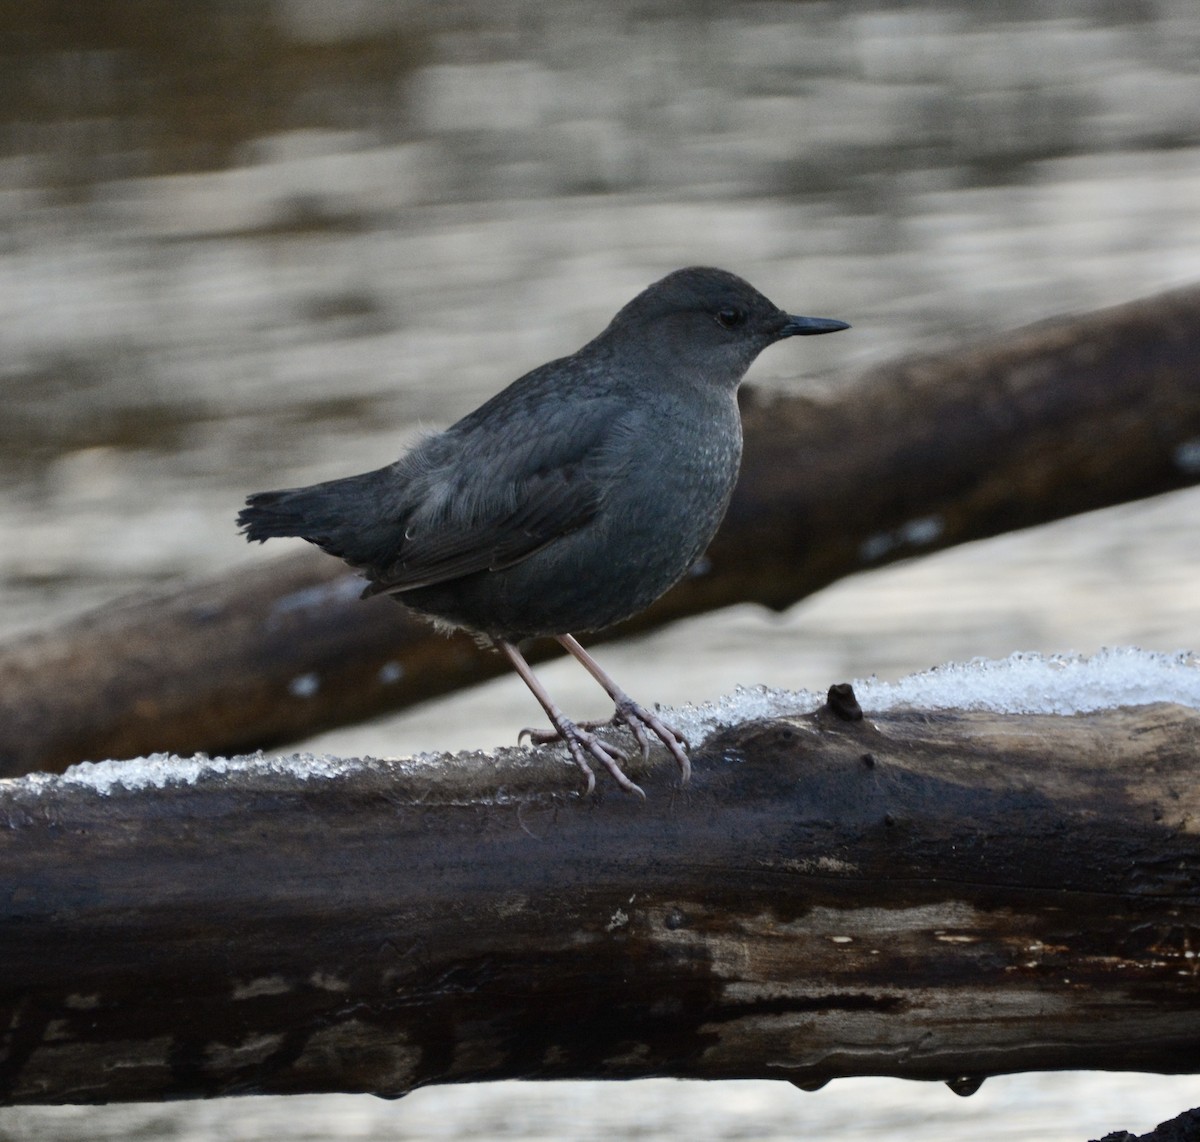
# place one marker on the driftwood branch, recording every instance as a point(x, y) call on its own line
point(1059, 418)
point(934, 896)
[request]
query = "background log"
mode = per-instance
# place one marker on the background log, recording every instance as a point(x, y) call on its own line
point(929, 895)
point(1062, 417)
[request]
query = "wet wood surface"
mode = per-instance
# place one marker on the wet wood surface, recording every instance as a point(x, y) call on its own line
point(1058, 418)
point(940, 896)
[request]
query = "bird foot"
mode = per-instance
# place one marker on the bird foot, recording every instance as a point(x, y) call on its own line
point(637, 720)
point(580, 743)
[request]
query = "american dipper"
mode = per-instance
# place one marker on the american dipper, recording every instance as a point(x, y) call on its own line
point(570, 500)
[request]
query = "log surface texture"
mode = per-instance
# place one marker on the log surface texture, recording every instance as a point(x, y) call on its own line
point(928, 895)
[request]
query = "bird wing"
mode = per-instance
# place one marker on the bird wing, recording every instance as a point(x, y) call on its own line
point(512, 498)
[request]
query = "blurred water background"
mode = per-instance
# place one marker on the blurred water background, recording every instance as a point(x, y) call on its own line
point(248, 244)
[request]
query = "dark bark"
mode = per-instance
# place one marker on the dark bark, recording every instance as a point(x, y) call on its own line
point(929, 895)
point(1059, 418)
point(1183, 1128)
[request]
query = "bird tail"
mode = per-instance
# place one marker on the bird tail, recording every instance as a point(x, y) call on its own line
point(289, 511)
point(342, 517)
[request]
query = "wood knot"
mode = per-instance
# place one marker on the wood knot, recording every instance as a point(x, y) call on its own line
point(842, 703)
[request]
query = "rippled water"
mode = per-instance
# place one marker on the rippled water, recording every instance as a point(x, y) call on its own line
point(253, 245)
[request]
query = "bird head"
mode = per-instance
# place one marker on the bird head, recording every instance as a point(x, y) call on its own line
point(708, 322)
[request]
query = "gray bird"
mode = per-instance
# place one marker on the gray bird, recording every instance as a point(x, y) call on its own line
point(568, 501)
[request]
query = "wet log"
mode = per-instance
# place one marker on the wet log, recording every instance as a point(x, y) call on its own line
point(939, 896)
point(1062, 417)
point(1183, 1128)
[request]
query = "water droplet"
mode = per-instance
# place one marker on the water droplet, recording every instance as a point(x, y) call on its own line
point(809, 1084)
point(965, 1085)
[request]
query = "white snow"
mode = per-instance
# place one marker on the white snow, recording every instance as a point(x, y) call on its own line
point(1019, 684)
point(304, 685)
point(162, 769)
point(314, 598)
point(1187, 455)
point(1037, 684)
point(915, 533)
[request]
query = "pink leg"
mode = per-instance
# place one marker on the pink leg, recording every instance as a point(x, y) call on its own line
point(578, 739)
point(630, 713)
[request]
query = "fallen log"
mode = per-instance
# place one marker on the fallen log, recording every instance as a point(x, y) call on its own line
point(940, 895)
point(1183, 1128)
point(1062, 417)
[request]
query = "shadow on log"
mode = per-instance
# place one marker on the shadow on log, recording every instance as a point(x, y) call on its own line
point(940, 896)
point(1062, 417)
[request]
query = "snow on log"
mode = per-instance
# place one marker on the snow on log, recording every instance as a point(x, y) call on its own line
point(995, 868)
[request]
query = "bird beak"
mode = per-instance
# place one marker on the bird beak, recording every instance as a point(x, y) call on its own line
point(810, 326)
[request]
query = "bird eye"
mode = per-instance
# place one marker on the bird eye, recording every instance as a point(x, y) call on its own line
point(730, 317)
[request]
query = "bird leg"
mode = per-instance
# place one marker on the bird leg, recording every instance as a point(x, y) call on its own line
point(628, 712)
point(578, 739)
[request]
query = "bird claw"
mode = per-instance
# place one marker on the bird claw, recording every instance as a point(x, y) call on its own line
point(580, 741)
point(579, 738)
point(638, 719)
point(536, 736)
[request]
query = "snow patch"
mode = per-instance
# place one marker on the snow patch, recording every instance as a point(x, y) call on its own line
point(1038, 684)
point(162, 769)
point(304, 685)
point(915, 533)
point(1187, 456)
point(1022, 683)
point(339, 590)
